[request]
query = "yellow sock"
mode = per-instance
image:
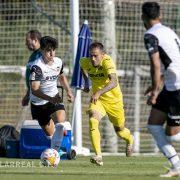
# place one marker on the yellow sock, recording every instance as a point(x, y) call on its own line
point(95, 135)
point(126, 135)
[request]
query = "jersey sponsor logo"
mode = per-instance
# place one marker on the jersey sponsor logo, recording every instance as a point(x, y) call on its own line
point(51, 77)
point(96, 75)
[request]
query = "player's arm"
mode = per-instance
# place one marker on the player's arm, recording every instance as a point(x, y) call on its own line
point(64, 82)
point(84, 63)
point(35, 88)
point(155, 73)
point(35, 80)
point(112, 84)
point(25, 99)
point(151, 43)
point(86, 80)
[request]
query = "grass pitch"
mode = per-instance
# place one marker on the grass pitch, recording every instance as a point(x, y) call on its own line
point(115, 167)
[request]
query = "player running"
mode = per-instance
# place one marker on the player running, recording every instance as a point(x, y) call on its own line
point(106, 98)
point(163, 46)
point(46, 104)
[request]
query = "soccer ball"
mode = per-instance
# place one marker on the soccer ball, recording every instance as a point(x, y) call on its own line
point(50, 157)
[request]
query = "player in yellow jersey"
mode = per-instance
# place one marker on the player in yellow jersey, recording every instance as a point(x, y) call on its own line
point(106, 98)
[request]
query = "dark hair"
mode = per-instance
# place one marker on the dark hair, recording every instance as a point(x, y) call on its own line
point(97, 45)
point(48, 42)
point(34, 34)
point(151, 10)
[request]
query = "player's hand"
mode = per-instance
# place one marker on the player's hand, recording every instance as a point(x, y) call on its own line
point(151, 100)
point(148, 91)
point(56, 99)
point(86, 89)
point(151, 96)
point(95, 97)
point(70, 96)
point(25, 101)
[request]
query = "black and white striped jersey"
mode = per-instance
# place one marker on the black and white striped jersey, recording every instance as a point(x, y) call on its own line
point(48, 76)
point(164, 40)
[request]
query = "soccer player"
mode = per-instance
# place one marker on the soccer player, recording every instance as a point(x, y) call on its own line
point(106, 98)
point(46, 104)
point(33, 44)
point(163, 46)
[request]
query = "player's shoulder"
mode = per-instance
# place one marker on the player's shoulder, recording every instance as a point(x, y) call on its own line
point(37, 63)
point(35, 55)
point(84, 61)
point(37, 67)
point(58, 60)
point(107, 60)
point(158, 30)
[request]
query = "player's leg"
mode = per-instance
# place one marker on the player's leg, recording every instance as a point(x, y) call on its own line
point(58, 117)
point(155, 127)
point(41, 114)
point(117, 117)
point(173, 128)
point(51, 118)
point(157, 118)
point(173, 119)
point(48, 128)
point(125, 134)
point(96, 112)
point(173, 133)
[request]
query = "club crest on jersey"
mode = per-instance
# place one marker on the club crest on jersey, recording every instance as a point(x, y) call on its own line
point(100, 68)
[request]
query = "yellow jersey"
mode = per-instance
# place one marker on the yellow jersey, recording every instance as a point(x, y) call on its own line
point(99, 77)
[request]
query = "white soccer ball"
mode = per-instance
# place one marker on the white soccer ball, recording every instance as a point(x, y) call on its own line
point(50, 157)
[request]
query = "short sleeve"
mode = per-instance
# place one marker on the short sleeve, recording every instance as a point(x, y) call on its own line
point(35, 73)
point(84, 63)
point(151, 43)
point(109, 66)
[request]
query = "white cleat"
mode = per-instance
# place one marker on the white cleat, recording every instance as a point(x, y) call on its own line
point(97, 160)
point(172, 173)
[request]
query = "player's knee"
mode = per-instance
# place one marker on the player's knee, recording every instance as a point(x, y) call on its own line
point(94, 114)
point(174, 138)
point(118, 129)
point(93, 124)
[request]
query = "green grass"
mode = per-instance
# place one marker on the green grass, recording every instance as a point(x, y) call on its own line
point(120, 168)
